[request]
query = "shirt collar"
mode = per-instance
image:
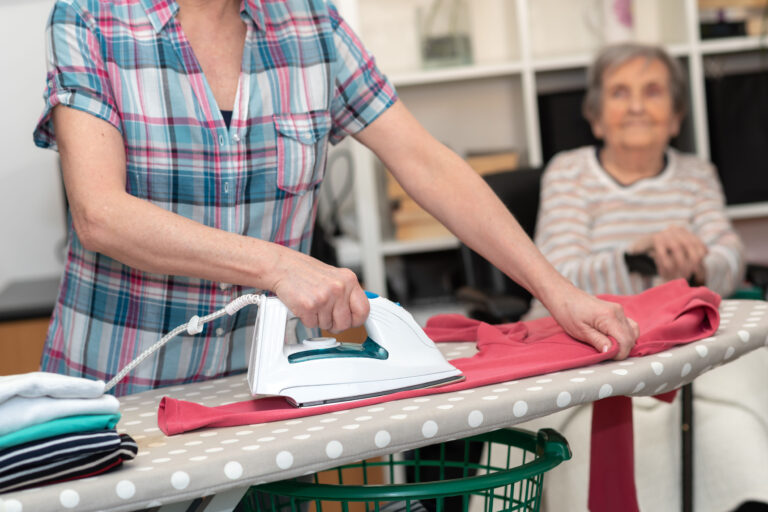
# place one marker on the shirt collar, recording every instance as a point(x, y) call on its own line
point(160, 12)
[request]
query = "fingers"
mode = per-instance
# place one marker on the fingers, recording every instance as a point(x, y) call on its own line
point(321, 295)
point(678, 253)
point(595, 321)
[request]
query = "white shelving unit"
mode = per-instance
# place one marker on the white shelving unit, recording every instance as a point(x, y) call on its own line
point(542, 37)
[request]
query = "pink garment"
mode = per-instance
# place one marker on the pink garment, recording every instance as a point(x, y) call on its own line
point(668, 315)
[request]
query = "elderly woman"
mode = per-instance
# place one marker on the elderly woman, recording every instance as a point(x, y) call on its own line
point(633, 194)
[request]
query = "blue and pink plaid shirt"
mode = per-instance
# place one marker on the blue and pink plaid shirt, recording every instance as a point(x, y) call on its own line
point(306, 81)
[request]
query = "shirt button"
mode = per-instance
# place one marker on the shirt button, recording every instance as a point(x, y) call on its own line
point(236, 138)
point(221, 140)
point(224, 286)
point(219, 332)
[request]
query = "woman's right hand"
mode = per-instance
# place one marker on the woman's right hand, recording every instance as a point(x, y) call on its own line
point(677, 252)
point(320, 295)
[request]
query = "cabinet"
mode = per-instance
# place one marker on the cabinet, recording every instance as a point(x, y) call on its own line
point(521, 49)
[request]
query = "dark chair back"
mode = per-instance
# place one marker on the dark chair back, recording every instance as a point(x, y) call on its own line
point(493, 296)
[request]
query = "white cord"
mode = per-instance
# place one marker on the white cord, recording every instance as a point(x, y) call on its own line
point(193, 326)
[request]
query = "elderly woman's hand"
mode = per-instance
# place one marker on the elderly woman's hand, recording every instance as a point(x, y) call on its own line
point(594, 321)
point(677, 252)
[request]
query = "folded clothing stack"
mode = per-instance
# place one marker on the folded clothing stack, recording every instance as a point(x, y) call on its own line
point(55, 428)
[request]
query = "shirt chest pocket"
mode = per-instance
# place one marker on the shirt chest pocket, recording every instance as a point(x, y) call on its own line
point(302, 145)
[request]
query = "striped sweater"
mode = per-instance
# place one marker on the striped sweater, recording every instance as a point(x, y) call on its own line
point(587, 219)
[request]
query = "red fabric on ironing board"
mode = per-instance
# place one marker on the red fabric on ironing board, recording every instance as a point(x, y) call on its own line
point(668, 315)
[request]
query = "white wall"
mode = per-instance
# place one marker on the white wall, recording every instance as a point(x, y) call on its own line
point(31, 204)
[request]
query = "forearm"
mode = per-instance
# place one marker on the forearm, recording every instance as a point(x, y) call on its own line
point(149, 238)
point(444, 185)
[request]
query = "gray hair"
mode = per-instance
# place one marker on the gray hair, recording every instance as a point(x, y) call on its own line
point(613, 56)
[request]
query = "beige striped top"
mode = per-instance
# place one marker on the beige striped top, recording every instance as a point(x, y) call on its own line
point(587, 219)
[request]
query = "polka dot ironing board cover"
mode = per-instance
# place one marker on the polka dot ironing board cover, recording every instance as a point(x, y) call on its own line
point(205, 462)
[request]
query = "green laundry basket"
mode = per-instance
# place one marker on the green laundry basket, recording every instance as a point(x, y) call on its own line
point(509, 477)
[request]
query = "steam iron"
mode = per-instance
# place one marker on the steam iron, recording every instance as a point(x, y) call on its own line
point(396, 356)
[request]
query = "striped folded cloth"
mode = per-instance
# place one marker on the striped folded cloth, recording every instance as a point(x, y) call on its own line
point(64, 457)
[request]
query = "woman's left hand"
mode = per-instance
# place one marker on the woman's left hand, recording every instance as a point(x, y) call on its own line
point(595, 321)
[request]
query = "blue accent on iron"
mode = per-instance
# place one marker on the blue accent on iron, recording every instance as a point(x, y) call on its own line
point(368, 349)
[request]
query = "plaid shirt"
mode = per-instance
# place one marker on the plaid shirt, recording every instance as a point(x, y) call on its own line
point(306, 80)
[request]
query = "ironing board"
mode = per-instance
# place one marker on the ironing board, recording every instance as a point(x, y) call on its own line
point(212, 468)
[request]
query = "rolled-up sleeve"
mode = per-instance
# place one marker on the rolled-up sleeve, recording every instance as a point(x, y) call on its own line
point(77, 74)
point(361, 91)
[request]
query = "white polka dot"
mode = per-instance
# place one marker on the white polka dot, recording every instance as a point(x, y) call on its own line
point(626, 363)
point(411, 408)
point(147, 414)
point(639, 387)
point(363, 418)
point(382, 438)
point(534, 388)
point(761, 306)
point(657, 367)
point(328, 420)
point(207, 386)
point(490, 397)
point(353, 426)
point(445, 407)
point(145, 468)
point(375, 409)
point(500, 390)
point(702, 350)
point(605, 391)
point(266, 439)
point(749, 325)
point(69, 498)
point(543, 381)
point(726, 315)
point(578, 379)
point(660, 388)
point(316, 428)
point(620, 371)
point(244, 432)
point(209, 434)
point(744, 335)
point(334, 449)
point(131, 423)
point(460, 398)
point(475, 418)
point(453, 354)
point(280, 431)
point(398, 416)
point(284, 460)
point(214, 450)
point(563, 399)
point(165, 459)
point(729, 352)
point(421, 400)
point(686, 369)
point(179, 480)
point(233, 470)
point(230, 441)
point(467, 391)
point(156, 445)
point(293, 422)
point(429, 429)
point(520, 408)
point(177, 452)
point(302, 437)
point(12, 505)
point(665, 355)
point(709, 340)
point(251, 447)
point(586, 372)
point(125, 489)
point(757, 313)
point(193, 443)
point(198, 458)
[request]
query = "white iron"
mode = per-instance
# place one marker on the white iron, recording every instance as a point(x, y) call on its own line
point(396, 356)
